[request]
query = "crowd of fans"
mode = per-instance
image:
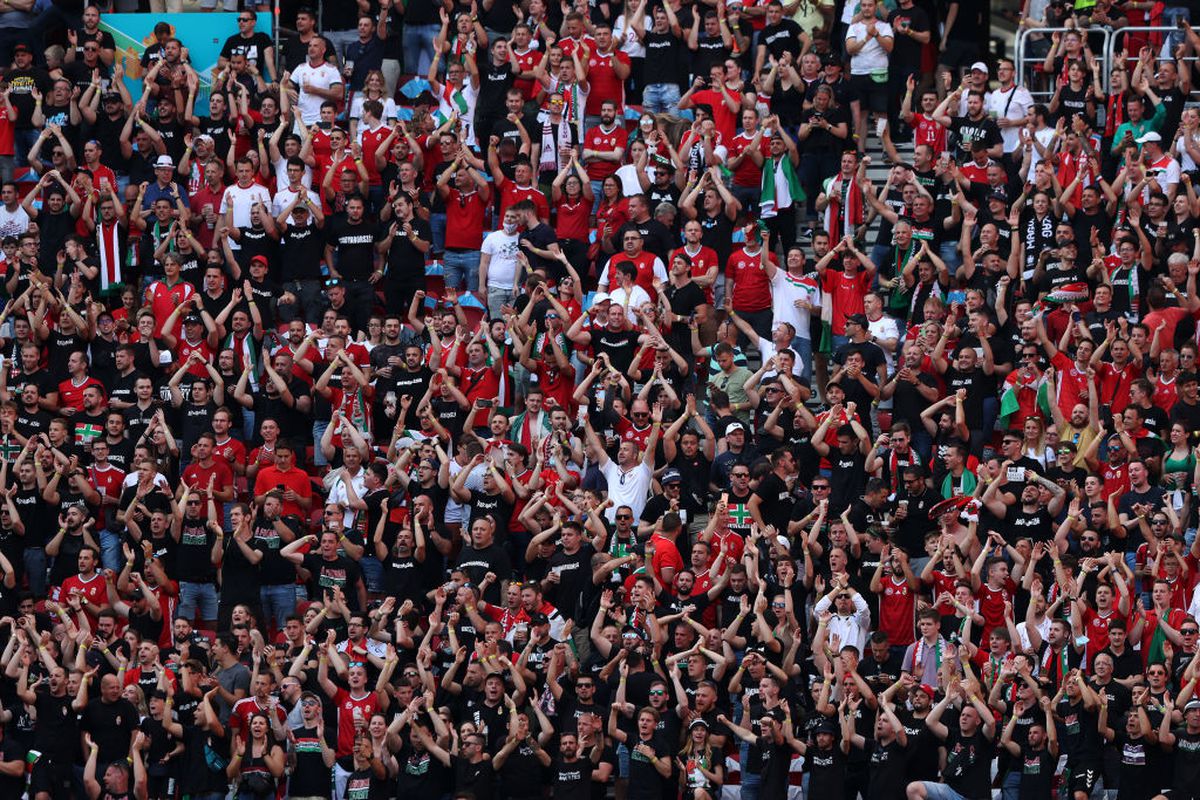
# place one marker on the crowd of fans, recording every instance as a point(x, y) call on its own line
point(522, 400)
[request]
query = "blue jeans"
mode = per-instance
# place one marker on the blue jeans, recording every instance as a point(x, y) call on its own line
point(110, 550)
point(462, 267)
point(195, 597)
point(372, 572)
point(940, 791)
point(277, 603)
point(659, 98)
point(437, 226)
point(750, 780)
point(803, 347)
point(1010, 789)
point(308, 301)
point(343, 39)
point(319, 427)
point(35, 570)
point(418, 47)
point(23, 141)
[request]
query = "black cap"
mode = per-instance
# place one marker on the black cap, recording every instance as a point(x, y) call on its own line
point(830, 60)
point(193, 319)
point(538, 618)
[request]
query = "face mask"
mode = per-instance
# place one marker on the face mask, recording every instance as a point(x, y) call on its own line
point(510, 229)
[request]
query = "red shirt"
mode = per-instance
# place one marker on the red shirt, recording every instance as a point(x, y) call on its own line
point(1095, 627)
point(627, 432)
point(163, 299)
point(747, 173)
point(991, 605)
point(199, 199)
point(185, 349)
point(107, 481)
point(1072, 383)
point(464, 220)
point(644, 261)
point(71, 396)
point(666, 554)
point(295, 479)
point(612, 215)
point(349, 709)
point(239, 717)
point(196, 476)
point(751, 289)
point(479, 384)
point(847, 293)
point(526, 62)
point(603, 141)
point(926, 131)
point(603, 83)
point(1116, 478)
point(568, 45)
point(897, 610)
point(511, 193)
point(571, 219)
point(1114, 384)
point(93, 589)
point(231, 451)
point(371, 139)
point(724, 120)
point(1165, 392)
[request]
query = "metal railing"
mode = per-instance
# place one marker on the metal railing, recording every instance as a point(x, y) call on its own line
point(1116, 43)
point(1027, 76)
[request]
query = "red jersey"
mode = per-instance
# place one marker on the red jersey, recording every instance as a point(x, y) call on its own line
point(93, 589)
point(603, 83)
point(847, 293)
point(751, 288)
point(568, 44)
point(464, 220)
point(627, 432)
point(1165, 392)
point(571, 219)
point(231, 451)
point(350, 709)
point(163, 299)
point(511, 193)
point(185, 349)
point(603, 141)
point(702, 261)
point(526, 62)
point(991, 605)
point(481, 383)
point(1095, 627)
point(926, 131)
point(1116, 478)
point(371, 140)
point(1072, 383)
point(645, 262)
point(611, 216)
point(897, 610)
point(107, 482)
point(724, 120)
point(70, 394)
point(196, 476)
point(244, 709)
point(1114, 384)
point(748, 174)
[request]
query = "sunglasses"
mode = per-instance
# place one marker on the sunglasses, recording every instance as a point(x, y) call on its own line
point(624, 516)
point(1189, 631)
point(656, 692)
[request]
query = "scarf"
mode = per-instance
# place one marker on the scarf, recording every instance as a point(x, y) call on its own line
point(845, 213)
point(247, 354)
point(553, 144)
point(780, 187)
point(108, 243)
point(969, 482)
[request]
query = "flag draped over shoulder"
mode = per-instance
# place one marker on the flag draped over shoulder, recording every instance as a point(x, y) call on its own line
point(1028, 394)
point(780, 188)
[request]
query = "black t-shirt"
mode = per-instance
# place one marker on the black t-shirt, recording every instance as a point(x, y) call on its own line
point(668, 54)
point(620, 346)
point(478, 563)
point(300, 252)
point(405, 263)
point(494, 83)
point(906, 51)
point(478, 778)
point(968, 767)
point(111, 725)
point(354, 247)
point(645, 782)
point(819, 140)
point(967, 131)
point(1037, 773)
point(572, 780)
point(22, 83)
point(340, 571)
point(253, 48)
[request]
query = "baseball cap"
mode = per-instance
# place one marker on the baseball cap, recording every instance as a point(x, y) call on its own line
point(21, 48)
point(998, 194)
point(671, 476)
point(979, 65)
point(1193, 705)
point(193, 319)
point(538, 618)
point(698, 722)
point(164, 162)
point(259, 260)
point(1148, 136)
point(734, 427)
point(929, 690)
point(831, 60)
point(113, 97)
point(600, 297)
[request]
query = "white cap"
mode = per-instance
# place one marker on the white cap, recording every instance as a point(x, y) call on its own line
point(164, 162)
point(1148, 136)
point(600, 297)
point(979, 65)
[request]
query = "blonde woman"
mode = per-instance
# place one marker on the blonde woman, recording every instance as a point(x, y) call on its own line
point(374, 88)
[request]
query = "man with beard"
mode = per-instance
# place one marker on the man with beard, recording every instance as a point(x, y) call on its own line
point(400, 371)
point(1032, 518)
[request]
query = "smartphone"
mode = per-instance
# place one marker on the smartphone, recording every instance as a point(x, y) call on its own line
point(484, 403)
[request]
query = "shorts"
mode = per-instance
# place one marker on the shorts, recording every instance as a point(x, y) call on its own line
point(871, 95)
point(50, 778)
point(1084, 779)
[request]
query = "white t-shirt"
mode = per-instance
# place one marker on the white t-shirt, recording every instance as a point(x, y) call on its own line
point(627, 175)
point(1186, 162)
point(502, 269)
point(324, 76)
point(872, 56)
point(281, 177)
point(241, 200)
point(883, 329)
point(636, 297)
point(624, 33)
point(389, 109)
point(785, 291)
point(626, 488)
point(1013, 105)
point(1166, 171)
point(1043, 136)
point(13, 223)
